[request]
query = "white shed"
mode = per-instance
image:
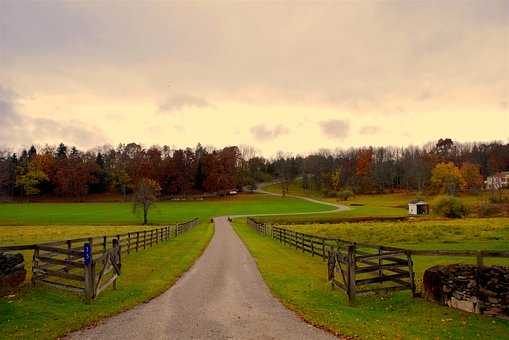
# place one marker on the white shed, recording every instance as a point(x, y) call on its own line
point(416, 208)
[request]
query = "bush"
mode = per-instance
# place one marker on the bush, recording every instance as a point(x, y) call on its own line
point(449, 206)
point(330, 193)
point(344, 195)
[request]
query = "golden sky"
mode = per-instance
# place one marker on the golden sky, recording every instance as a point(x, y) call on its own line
point(294, 76)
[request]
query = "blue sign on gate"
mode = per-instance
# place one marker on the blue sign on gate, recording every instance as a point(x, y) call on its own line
point(87, 253)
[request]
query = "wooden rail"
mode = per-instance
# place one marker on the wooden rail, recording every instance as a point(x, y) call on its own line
point(359, 268)
point(89, 265)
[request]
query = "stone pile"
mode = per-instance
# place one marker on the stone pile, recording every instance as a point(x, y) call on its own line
point(483, 290)
point(12, 272)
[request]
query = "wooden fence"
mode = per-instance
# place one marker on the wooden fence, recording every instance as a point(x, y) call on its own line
point(359, 268)
point(89, 265)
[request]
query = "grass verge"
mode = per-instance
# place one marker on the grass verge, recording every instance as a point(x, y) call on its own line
point(299, 281)
point(42, 313)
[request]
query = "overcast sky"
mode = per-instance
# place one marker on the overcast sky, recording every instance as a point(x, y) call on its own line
point(295, 76)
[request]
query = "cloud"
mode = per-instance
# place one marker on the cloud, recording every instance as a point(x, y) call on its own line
point(369, 130)
point(263, 133)
point(18, 129)
point(335, 128)
point(504, 105)
point(181, 101)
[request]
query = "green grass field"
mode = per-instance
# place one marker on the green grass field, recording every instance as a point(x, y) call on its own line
point(381, 205)
point(300, 282)
point(162, 213)
point(465, 234)
point(48, 314)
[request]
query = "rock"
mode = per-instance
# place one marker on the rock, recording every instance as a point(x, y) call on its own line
point(12, 272)
point(470, 288)
point(464, 305)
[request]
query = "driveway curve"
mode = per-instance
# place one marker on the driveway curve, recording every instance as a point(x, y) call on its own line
point(223, 296)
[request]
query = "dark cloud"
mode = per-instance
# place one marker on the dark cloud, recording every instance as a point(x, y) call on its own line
point(181, 101)
point(19, 129)
point(262, 133)
point(335, 128)
point(369, 130)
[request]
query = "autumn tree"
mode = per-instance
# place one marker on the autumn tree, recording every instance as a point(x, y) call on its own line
point(147, 192)
point(446, 178)
point(472, 175)
point(336, 180)
point(7, 174)
point(363, 171)
point(30, 180)
point(74, 174)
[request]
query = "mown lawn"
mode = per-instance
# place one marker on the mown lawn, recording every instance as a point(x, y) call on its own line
point(163, 212)
point(43, 313)
point(299, 281)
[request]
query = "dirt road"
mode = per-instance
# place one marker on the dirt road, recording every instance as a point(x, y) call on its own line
point(222, 297)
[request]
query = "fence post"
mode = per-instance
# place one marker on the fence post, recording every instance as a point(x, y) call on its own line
point(411, 272)
point(144, 239)
point(90, 274)
point(35, 264)
point(115, 257)
point(331, 267)
point(105, 245)
point(351, 274)
point(128, 243)
point(137, 240)
point(69, 247)
point(480, 260)
point(380, 262)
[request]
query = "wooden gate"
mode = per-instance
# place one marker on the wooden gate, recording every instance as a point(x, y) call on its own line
point(363, 268)
point(104, 270)
point(59, 265)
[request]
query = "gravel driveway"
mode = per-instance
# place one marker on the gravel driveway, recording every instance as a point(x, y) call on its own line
point(221, 297)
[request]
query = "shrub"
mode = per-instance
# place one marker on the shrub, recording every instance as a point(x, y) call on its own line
point(329, 193)
point(449, 206)
point(344, 195)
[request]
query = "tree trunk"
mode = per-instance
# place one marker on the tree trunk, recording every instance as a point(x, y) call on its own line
point(145, 213)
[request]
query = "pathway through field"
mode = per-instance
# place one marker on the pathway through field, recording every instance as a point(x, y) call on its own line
point(221, 297)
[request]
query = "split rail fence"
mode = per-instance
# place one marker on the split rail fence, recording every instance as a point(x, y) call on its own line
point(89, 265)
point(359, 268)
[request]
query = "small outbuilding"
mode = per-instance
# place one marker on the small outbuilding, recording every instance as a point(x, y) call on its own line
point(417, 208)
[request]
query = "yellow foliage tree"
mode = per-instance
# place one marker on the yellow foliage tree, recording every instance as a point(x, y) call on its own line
point(472, 175)
point(446, 178)
point(336, 180)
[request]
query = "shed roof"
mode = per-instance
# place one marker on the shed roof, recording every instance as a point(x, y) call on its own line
point(418, 202)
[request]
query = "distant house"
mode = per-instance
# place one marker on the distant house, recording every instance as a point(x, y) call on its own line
point(416, 208)
point(233, 192)
point(497, 181)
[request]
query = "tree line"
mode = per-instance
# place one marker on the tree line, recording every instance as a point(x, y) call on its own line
point(68, 172)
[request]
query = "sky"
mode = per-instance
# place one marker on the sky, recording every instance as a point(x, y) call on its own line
point(293, 76)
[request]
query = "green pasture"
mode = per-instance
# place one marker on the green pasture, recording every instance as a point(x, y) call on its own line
point(465, 234)
point(163, 212)
point(42, 313)
point(300, 282)
point(380, 204)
